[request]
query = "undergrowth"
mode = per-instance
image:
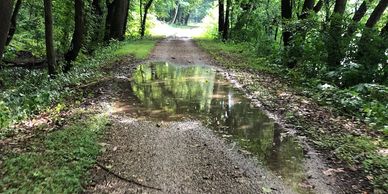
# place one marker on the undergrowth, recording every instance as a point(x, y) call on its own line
point(57, 162)
point(367, 102)
point(29, 92)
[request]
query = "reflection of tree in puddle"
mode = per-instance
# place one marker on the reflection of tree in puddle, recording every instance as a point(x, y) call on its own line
point(171, 92)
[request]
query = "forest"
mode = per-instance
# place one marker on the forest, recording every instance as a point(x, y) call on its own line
point(282, 79)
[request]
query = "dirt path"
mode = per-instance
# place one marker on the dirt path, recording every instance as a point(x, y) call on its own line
point(175, 156)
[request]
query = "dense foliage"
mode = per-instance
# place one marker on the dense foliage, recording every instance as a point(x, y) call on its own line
point(338, 48)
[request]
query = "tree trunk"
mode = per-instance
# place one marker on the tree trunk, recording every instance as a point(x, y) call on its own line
point(12, 29)
point(175, 13)
point(358, 15)
point(221, 16)
point(143, 23)
point(226, 24)
point(384, 31)
point(187, 19)
point(286, 11)
point(124, 29)
point(5, 23)
point(120, 14)
point(366, 38)
point(116, 19)
point(78, 34)
point(286, 15)
point(50, 52)
point(318, 6)
point(334, 43)
point(340, 6)
point(308, 5)
point(376, 14)
point(98, 32)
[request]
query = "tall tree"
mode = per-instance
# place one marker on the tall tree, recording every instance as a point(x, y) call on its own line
point(225, 32)
point(5, 23)
point(144, 20)
point(98, 12)
point(366, 38)
point(358, 15)
point(50, 52)
point(13, 21)
point(334, 42)
point(221, 16)
point(308, 5)
point(318, 6)
point(116, 19)
point(376, 14)
point(286, 8)
point(78, 34)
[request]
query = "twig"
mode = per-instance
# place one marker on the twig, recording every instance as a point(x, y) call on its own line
point(125, 179)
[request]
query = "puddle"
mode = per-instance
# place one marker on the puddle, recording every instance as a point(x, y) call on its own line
point(169, 92)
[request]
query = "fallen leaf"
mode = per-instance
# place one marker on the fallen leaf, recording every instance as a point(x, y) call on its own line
point(332, 171)
point(266, 190)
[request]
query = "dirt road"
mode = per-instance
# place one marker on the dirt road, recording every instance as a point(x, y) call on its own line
point(144, 155)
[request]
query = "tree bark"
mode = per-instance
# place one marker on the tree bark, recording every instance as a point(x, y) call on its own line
point(340, 6)
point(143, 23)
point(225, 33)
point(286, 9)
point(334, 50)
point(308, 5)
point(5, 23)
point(78, 34)
point(116, 19)
point(50, 52)
point(12, 29)
point(318, 6)
point(175, 13)
point(120, 14)
point(376, 14)
point(384, 31)
point(187, 17)
point(221, 16)
point(98, 32)
point(358, 15)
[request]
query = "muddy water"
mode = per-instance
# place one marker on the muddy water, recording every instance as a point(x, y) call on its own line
point(167, 92)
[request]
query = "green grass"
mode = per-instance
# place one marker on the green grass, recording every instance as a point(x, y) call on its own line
point(29, 92)
point(140, 49)
point(57, 162)
point(236, 55)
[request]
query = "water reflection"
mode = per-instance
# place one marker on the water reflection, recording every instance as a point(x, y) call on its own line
point(170, 92)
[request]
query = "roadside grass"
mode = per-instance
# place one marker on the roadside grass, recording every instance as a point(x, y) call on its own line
point(236, 55)
point(57, 162)
point(140, 49)
point(30, 92)
point(354, 150)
